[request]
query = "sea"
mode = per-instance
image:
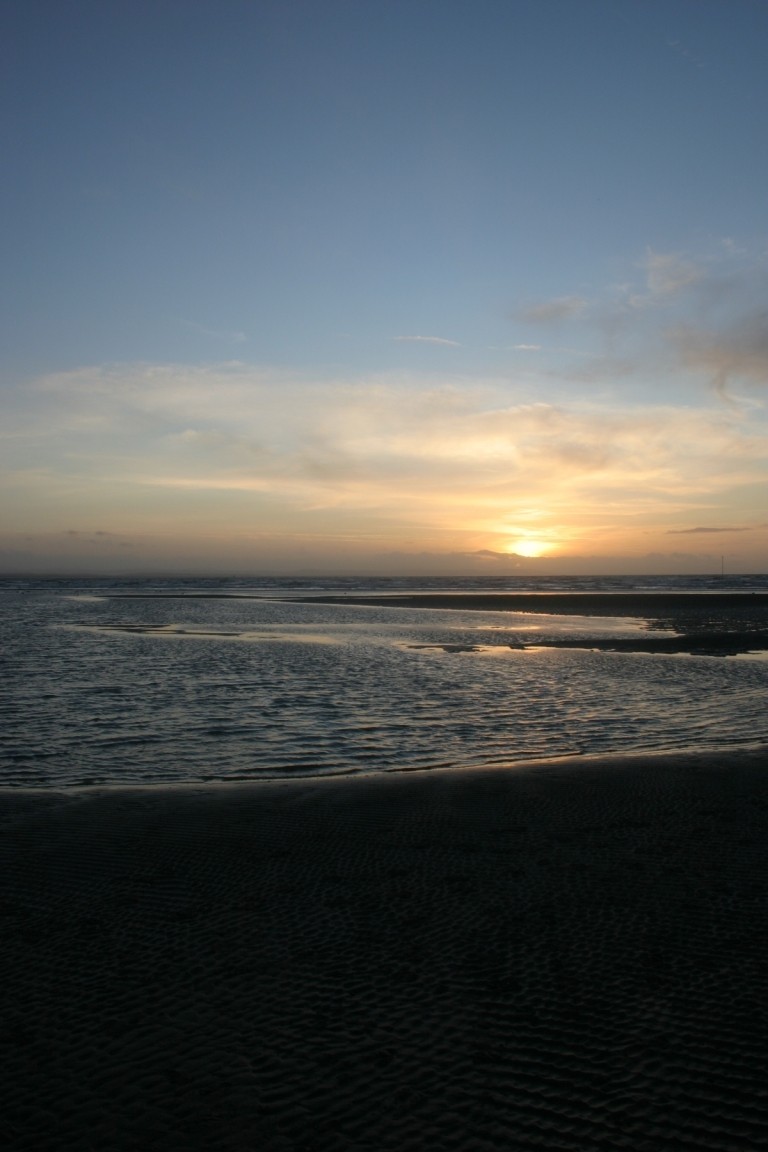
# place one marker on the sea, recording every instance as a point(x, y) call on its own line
point(176, 681)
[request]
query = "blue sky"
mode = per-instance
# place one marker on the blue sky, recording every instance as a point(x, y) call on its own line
point(357, 286)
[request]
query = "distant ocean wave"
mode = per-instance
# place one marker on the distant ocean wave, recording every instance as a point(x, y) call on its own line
point(306, 585)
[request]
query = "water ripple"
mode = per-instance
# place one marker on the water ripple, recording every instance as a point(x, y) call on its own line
point(148, 689)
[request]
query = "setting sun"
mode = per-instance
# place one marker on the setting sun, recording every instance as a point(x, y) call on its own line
point(530, 547)
point(384, 369)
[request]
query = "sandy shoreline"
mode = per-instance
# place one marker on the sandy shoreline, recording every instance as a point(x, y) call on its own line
point(647, 604)
point(563, 956)
point(714, 624)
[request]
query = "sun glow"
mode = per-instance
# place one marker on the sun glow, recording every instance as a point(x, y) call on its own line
point(529, 547)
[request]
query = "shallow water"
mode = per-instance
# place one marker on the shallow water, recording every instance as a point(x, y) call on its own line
point(168, 688)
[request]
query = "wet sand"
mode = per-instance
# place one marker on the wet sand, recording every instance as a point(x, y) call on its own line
point(651, 605)
point(711, 624)
point(570, 955)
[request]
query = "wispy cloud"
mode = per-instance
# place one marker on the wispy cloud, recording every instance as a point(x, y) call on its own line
point(687, 53)
point(676, 318)
point(454, 465)
point(554, 311)
point(705, 531)
point(426, 340)
point(401, 452)
point(670, 272)
point(740, 350)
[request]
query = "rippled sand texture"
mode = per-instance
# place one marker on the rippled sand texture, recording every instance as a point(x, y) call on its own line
point(571, 956)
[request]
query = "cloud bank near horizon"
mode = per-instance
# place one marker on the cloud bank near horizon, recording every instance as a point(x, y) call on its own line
point(601, 455)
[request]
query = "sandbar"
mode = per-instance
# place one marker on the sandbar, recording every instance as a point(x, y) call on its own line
point(652, 605)
point(712, 624)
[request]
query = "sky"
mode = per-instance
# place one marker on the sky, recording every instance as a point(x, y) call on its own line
point(423, 287)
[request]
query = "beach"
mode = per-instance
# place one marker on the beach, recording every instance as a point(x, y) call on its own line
point(651, 605)
point(561, 955)
point(716, 623)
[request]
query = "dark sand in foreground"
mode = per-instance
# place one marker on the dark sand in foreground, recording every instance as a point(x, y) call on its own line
point(563, 956)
